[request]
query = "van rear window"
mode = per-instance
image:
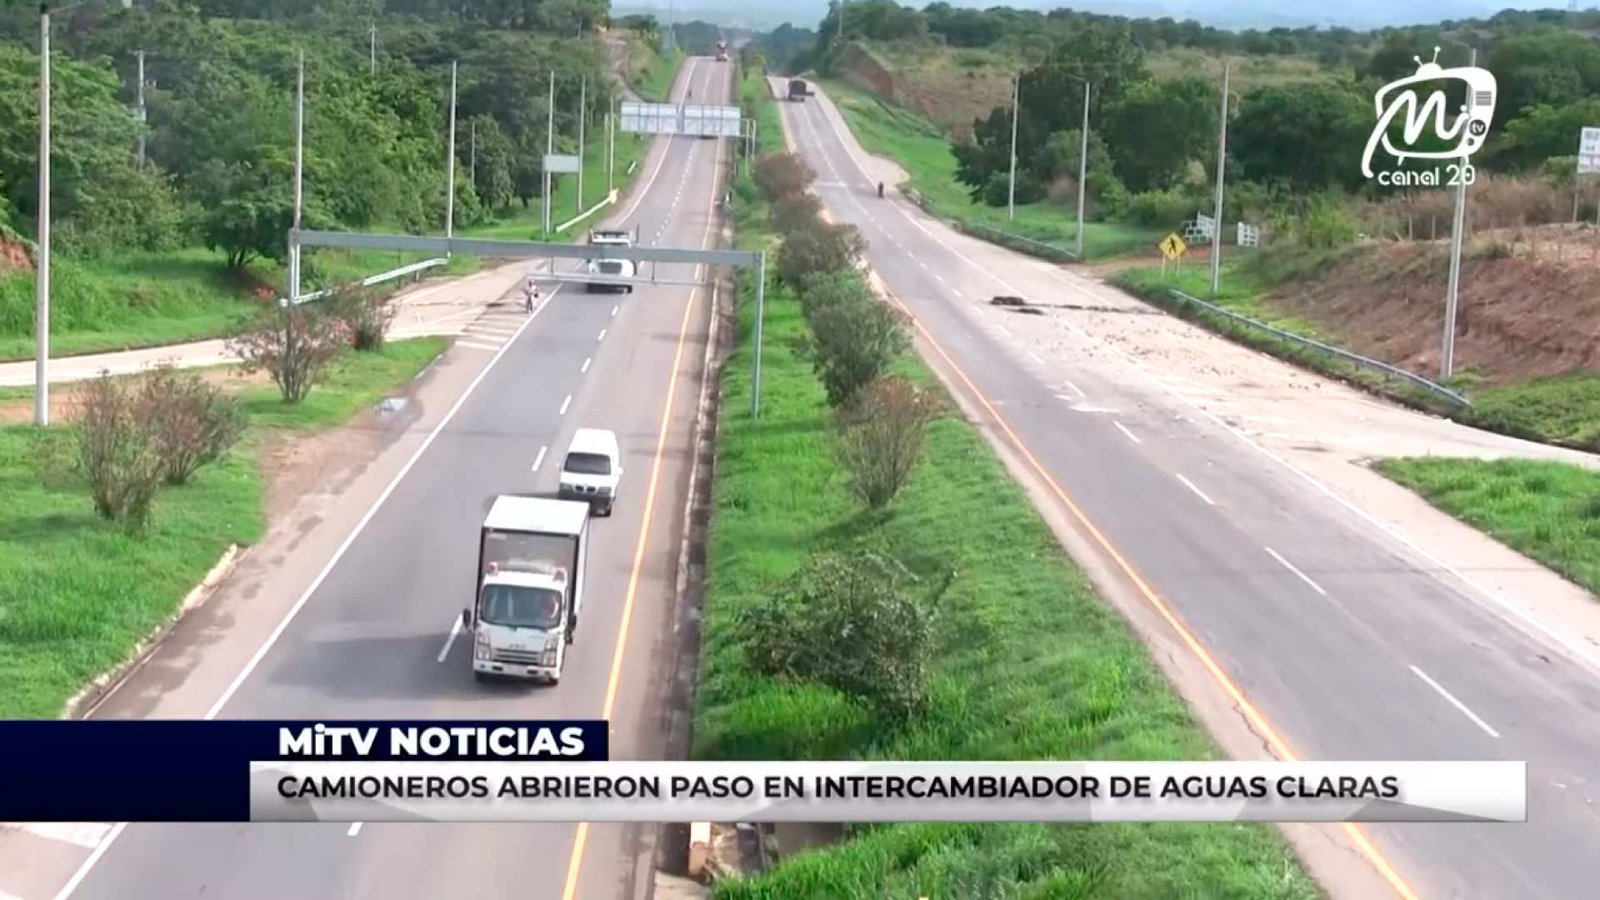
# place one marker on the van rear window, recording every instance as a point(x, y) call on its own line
point(587, 464)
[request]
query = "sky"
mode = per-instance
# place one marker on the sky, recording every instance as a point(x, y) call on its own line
point(1221, 13)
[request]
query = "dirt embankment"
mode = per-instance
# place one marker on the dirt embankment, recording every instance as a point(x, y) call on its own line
point(15, 256)
point(939, 88)
point(1529, 303)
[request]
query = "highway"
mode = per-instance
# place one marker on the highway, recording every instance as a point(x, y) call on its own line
point(1333, 639)
point(371, 635)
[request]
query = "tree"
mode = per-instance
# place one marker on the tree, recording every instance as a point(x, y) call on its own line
point(1187, 112)
point(1544, 132)
point(1543, 66)
point(879, 437)
point(854, 337)
point(293, 345)
point(1307, 135)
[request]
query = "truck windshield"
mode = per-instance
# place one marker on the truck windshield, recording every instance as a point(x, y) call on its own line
point(520, 607)
point(587, 464)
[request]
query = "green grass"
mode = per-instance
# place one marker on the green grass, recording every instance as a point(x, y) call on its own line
point(924, 152)
point(77, 594)
point(653, 72)
point(1563, 410)
point(1549, 511)
point(1031, 664)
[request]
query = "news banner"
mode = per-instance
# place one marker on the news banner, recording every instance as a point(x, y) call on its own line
point(561, 771)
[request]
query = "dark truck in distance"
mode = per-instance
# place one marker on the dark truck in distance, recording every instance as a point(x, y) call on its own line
point(798, 89)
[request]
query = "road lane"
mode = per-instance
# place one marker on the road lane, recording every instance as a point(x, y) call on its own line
point(1331, 661)
point(369, 640)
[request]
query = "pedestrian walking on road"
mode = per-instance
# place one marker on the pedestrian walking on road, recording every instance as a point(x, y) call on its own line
point(530, 294)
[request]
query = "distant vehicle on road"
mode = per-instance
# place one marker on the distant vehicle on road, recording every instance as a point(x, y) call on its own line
point(532, 553)
point(615, 268)
point(592, 469)
point(722, 51)
point(798, 89)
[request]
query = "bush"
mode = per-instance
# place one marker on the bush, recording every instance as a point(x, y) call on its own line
point(1326, 225)
point(294, 345)
point(855, 341)
point(794, 212)
point(844, 621)
point(818, 247)
point(366, 316)
point(782, 174)
point(192, 422)
point(879, 437)
point(1159, 209)
point(117, 453)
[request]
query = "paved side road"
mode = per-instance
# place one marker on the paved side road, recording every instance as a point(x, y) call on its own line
point(348, 608)
point(1338, 639)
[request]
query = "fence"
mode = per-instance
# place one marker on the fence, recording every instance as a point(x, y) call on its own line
point(371, 280)
point(1378, 367)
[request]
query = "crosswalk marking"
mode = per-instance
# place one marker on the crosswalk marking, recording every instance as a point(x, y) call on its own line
point(84, 834)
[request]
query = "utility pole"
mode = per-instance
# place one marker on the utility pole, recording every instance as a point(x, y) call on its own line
point(1011, 191)
point(1083, 166)
point(472, 163)
point(140, 110)
point(549, 148)
point(583, 109)
point(41, 315)
point(299, 174)
point(1447, 355)
point(839, 35)
point(1222, 158)
point(372, 48)
point(450, 164)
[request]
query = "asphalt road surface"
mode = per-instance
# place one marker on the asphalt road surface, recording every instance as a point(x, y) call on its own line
point(374, 637)
point(1347, 644)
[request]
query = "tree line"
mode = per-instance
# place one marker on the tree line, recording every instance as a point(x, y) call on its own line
point(218, 133)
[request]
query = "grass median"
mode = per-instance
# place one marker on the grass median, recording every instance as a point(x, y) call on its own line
point(918, 145)
point(1030, 663)
point(77, 594)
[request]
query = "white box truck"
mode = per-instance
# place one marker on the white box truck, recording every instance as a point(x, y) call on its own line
point(532, 554)
point(616, 268)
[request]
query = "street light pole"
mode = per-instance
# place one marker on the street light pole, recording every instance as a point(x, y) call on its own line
point(1011, 189)
point(611, 147)
point(1447, 355)
point(372, 48)
point(450, 164)
point(299, 174)
point(583, 109)
point(41, 316)
point(1222, 158)
point(1083, 166)
point(472, 158)
point(549, 148)
point(140, 113)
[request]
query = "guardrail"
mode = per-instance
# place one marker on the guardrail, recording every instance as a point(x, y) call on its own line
point(1355, 359)
point(609, 199)
point(371, 280)
point(1006, 239)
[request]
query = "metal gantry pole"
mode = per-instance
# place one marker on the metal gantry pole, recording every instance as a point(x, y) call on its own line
point(761, 319)
point(41, 314)
point(549, 148)
point(299, 174)
point(583, 109)
point(450, 164)
point(1011, 190)
point(1447, 355)
point(1222, 159)
point(1083, 166)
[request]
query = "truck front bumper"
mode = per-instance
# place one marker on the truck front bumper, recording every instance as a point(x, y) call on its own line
point(515, 670)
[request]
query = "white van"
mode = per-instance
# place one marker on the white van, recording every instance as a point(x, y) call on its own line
point(592, 469)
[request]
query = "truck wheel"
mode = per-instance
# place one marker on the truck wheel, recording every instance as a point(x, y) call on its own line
point(480, 677)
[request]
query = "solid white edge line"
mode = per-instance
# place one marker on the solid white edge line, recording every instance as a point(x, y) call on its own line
point(455, 631)
point(1291, 567)
point(564, 404)
point(338, 554)
point(1124, 429)
point(539, 460)
point(585, 369)
point(1199, 493)
point(1454, 702)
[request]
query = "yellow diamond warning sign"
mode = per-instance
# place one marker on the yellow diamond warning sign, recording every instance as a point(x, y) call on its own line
point(1173, 246)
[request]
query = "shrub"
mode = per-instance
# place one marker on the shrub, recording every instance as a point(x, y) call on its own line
point(1160, 209)
point(794, 212)
point(192, 422)
point(366, 316)
point(294, 345)
point(880, 434)
point(1326, 225)
point(833, 288)
point(818, 247)
point(782, 174)
point(117, 453)
point(855, 341)
point(844, 620)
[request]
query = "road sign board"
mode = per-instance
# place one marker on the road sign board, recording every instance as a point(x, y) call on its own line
point(1589, 151)
point(692, 119)
point(1173, 246)
point(559, 163)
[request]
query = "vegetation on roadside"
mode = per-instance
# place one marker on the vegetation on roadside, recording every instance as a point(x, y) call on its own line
point(1549, 511)
point(69, 610)
point(1023, 661)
